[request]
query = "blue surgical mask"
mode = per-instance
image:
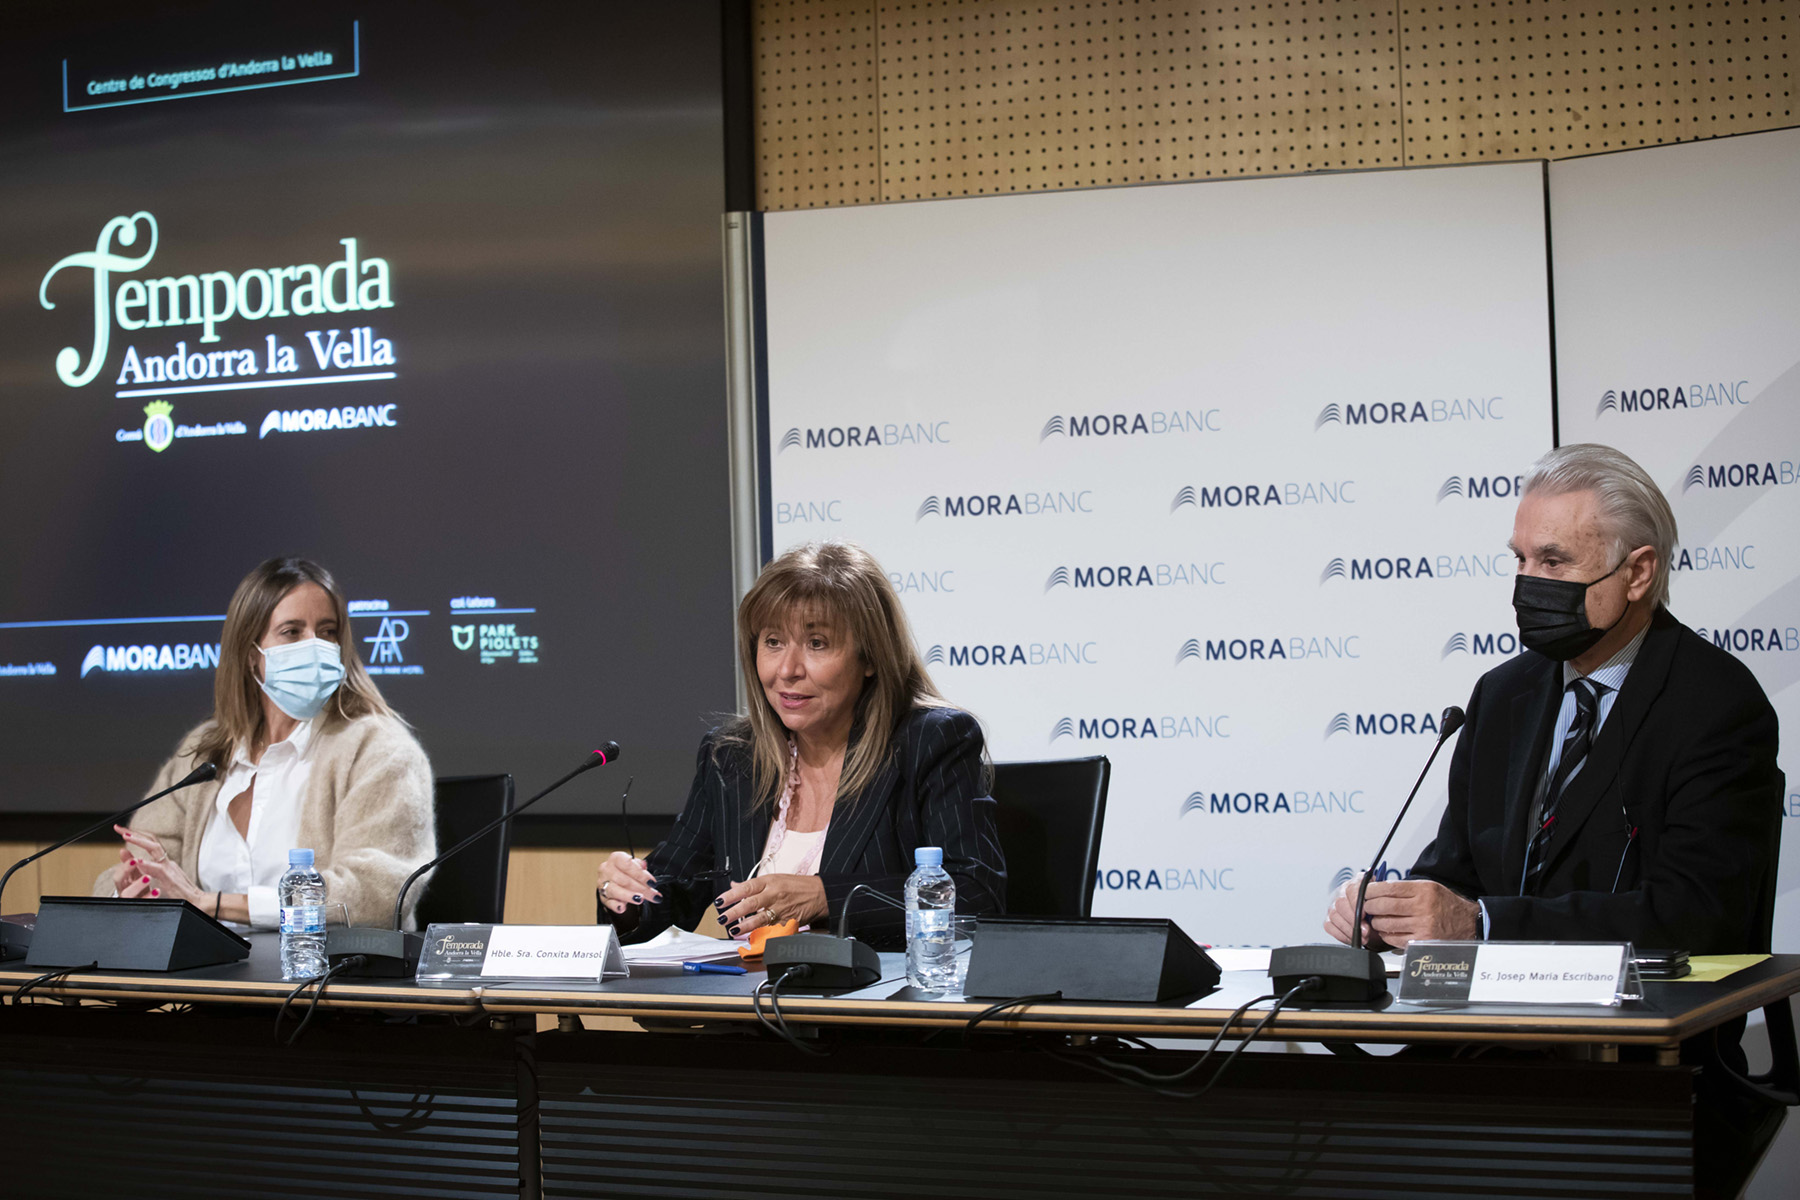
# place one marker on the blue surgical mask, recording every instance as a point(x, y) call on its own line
point(301, 676)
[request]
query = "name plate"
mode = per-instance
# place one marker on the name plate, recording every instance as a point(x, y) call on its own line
point(496, 952)
point(1514, 972)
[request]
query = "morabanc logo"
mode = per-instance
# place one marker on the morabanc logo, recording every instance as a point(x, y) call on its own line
point(1504, 642)
point(1265, 495)
point(1140, 728)
point(1718, 557)
point(1741, 475)
point(1269, 649)
point(1015, 654)
point(1437, 412)
point(1420, 566)
point(1380, 874)
point(1205, 420)
point(1136, 575)
point(1381, 724)
point(1295, 803)
point(1014, 504)
point(1481, 487)
point(1665, 399)
point(838, 437)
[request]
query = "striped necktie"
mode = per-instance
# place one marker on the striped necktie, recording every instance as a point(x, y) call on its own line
point(1574, 753)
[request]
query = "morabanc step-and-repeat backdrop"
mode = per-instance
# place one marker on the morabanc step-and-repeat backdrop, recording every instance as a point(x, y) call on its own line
point(1678, 341)
point(1215, 479)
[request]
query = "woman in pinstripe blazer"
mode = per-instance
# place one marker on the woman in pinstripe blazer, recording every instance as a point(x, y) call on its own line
point(848, 761)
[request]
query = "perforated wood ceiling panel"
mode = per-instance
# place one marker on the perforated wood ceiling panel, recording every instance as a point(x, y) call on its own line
point(867, 100)
point(1554, 78)
point(816, 103)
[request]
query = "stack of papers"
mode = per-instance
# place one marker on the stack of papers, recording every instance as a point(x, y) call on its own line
point(680, 946)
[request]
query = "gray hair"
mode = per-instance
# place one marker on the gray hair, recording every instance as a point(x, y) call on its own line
point(1633, 510)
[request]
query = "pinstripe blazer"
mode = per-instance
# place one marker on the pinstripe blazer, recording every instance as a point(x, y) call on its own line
point(930, 793)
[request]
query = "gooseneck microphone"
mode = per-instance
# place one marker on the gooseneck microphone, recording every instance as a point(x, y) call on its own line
point(604, 756)
point(394, 953)
point(1449, 723)
point(15, 939)
point(1353, 974)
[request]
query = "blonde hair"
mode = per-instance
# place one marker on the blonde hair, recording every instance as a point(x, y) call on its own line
point(1633, 509)
point(237, 696)
point(840, 583)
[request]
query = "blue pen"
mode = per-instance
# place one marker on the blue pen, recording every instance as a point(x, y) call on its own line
point(702, 968)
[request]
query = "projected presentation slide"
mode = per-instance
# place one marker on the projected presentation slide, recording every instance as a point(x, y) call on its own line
point(428, 295)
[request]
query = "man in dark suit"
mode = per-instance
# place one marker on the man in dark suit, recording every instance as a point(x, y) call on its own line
point(1617, 780)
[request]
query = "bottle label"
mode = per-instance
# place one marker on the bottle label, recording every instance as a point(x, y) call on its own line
point(928, 922)
point(302, 918)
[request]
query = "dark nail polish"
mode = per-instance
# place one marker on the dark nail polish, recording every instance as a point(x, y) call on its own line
point(636, 899)
point(732, 929)
point(656, 896)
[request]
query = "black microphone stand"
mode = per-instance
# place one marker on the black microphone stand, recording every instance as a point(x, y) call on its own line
point(15, 939)
point(1353, 974)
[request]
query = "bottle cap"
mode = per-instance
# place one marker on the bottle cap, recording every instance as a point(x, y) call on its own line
point(300, 858)
point(928, 856)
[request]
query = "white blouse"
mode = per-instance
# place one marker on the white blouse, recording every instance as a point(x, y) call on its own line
point(254, 863)
point(798, 854)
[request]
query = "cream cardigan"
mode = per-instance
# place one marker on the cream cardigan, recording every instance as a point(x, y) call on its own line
point(367, 815)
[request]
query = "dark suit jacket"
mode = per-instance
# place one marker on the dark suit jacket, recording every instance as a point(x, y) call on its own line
point(1687, 754)
point(930, 793)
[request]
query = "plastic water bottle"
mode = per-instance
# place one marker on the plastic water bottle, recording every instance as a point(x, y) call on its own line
point(302, 892)
point(930, 923)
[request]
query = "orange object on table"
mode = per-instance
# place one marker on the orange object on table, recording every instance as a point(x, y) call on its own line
point(763, 933)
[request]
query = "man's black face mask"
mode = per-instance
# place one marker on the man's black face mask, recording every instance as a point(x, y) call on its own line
point(1552, 615)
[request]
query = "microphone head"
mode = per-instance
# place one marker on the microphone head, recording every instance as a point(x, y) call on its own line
point(201, 774)
point(1450, 722)
point(608, 754)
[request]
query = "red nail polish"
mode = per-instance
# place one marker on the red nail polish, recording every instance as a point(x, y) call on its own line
point(146, 879)
point(156, 891)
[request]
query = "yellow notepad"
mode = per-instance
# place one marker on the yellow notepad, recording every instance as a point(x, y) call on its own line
point(1710, 968)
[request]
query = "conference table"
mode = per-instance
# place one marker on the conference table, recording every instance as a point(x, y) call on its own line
point(181, 1085)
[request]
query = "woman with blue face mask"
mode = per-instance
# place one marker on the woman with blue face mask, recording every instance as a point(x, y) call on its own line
point(309, 756)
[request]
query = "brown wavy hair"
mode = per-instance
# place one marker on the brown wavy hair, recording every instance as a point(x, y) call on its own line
point(842, 584)
point(237, 697)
